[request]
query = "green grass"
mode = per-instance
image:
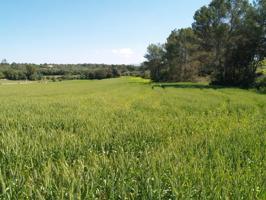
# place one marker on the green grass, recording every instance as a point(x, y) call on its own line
point(124, 139)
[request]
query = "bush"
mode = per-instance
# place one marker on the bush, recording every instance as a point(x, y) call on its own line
point(2, 75)
point(115, 73)
point(68, 77)
point(35, 76)
point(260, 84)
point(100, 74)
point(11, 74)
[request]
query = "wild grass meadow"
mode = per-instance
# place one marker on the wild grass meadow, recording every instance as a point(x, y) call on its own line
point(128, 139)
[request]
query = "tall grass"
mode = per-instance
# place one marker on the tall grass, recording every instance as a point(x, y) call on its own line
point(123, 139)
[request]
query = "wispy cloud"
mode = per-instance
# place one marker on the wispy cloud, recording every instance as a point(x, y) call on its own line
point(124, 52)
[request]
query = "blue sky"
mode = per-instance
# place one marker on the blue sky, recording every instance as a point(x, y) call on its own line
point(88, 31)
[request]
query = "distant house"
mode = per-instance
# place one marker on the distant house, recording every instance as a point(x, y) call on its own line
point(50, 66)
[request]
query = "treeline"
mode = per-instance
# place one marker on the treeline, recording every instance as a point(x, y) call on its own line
point(227, 42)
point(17, 71)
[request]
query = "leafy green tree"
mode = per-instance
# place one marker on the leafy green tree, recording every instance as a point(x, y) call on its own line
point(228, 35)
point(115, 73)
point(261, 16)
point(2, 75)
point(155, 62)
point(11, 74)
point(210, 28)
point(100, 74)
point(90, 75)
point(31, 72)
point(181, 55)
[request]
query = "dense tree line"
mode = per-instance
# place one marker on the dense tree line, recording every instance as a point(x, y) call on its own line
point(226, 41)
point(16, 71)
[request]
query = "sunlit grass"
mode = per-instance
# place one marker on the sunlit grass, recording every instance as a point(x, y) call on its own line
point(125, 139)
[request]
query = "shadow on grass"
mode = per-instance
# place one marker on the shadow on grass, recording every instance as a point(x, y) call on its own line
point(180, 85)
point(176, 85)
point(141, 83)
point(188, 85)
point(185, 85)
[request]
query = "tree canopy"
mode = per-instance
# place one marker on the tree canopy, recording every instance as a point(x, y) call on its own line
point(227, 40)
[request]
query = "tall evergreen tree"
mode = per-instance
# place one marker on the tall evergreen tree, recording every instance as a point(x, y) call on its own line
point(229, 36)
point(227, 40)
point(261, 16)
point(212, 30)
point(180, 56)
point(155, 55)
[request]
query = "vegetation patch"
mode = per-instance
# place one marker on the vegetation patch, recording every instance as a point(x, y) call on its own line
point(128, 139)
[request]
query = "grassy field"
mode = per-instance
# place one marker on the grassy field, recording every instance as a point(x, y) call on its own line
point(9, 82)
point(126, 139)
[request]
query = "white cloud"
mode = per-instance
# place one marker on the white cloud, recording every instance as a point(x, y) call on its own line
point(124, 52)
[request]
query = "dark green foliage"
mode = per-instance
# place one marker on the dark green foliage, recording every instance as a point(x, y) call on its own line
point(89, 75)
point(17, 71)
point(100, 74)
point(155, 55)
point(12, 74)
point(177, 60)
point(229, 37)
point(227, 41)
point(261, 20)
point(2, 75)
point(209, 28)
point(260, 84)
point(181, 57)
point(115, 72)
point(31, 72)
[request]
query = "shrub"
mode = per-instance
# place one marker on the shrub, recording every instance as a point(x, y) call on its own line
point(2, 75)
point(100, 74)
point(260, 84)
